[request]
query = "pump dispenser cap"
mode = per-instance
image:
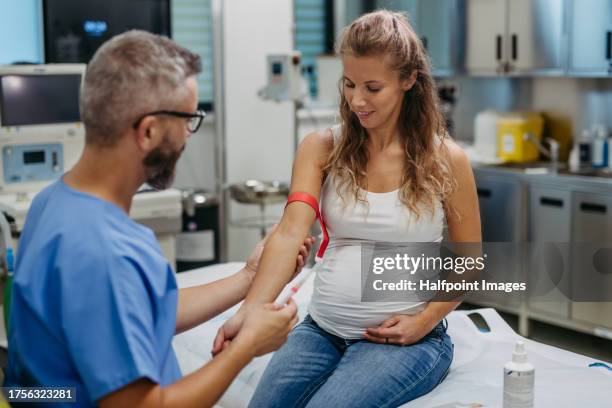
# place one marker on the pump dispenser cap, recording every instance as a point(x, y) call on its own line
point(519, 355)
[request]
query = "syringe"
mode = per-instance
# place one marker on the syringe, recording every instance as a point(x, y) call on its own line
point(292, 287)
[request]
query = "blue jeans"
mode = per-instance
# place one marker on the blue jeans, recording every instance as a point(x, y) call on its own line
point(317, 369)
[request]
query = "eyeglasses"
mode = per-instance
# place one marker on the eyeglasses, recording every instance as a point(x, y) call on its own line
point(193, 124)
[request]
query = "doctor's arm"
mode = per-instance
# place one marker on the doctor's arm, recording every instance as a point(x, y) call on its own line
point(265, 329)
point(278, 258)
point(201, 303)
point(463, 227)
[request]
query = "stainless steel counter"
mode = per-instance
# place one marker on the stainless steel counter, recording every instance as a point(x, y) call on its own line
point(537, 173)
point(529, 203)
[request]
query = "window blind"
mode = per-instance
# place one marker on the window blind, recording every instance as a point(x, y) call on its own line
point(311, 35)
point(192, 28)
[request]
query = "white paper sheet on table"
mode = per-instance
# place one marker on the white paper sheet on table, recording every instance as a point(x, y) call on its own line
point(563, 378)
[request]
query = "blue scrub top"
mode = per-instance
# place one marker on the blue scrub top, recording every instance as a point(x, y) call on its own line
point(94, 300)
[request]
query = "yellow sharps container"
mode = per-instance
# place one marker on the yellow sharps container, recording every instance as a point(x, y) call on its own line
point(513, 142)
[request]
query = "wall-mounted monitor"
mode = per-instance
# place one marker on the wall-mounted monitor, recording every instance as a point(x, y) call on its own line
point(74, 29)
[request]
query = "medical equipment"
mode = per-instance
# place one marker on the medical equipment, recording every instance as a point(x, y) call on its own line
point(41, 135)
point(7, 263)
point(286, 83)
point(314, 204)
point(6, 247)
point(284, 78)
point(74, 31)
point(292, 287)
point(474, 375)
point(261, 193)
point(198, 244)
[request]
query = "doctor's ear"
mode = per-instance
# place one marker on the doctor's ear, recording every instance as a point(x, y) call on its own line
point(146, 132)
point(409, 82)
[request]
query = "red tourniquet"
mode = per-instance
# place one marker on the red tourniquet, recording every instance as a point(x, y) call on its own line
point(314, 204)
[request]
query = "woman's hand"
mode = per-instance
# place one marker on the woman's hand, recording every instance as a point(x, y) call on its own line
point(401, 330)
point(252, 263)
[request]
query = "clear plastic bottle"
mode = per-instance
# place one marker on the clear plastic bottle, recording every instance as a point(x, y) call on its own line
point(599, 157)
point(574, 157)
point(519, 379)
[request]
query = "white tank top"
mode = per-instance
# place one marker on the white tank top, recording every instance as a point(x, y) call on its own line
point(336, 301)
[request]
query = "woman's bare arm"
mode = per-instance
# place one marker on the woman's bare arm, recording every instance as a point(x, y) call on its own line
point(278, 260)
point(463, 223)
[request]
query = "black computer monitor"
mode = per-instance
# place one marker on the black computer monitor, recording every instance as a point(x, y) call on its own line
point(37, 99)
point(74, 29)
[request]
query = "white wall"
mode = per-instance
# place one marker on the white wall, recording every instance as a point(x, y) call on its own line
point(20, 31)
point(259, 135)
point(196, 167)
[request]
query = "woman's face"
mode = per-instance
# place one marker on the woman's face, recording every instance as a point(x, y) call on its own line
point(373, 91)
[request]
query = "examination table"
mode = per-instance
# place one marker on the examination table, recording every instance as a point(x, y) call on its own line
point(563, 378)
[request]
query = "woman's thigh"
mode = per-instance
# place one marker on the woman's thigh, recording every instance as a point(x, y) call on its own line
point(381, 375)
point(297, 369)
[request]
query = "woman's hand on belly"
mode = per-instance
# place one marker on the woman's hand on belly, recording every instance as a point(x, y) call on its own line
point(401, 330)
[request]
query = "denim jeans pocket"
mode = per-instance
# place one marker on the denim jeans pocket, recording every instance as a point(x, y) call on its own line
point(437, 335)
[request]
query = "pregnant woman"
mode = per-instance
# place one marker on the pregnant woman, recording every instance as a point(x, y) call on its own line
point(387, 173)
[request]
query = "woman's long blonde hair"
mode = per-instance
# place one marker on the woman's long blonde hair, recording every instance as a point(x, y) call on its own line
point(427, 173)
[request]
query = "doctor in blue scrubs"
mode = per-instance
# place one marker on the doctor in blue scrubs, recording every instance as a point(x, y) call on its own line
point(95, 304)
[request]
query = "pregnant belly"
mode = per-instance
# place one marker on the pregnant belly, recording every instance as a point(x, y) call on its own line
point(336, 301)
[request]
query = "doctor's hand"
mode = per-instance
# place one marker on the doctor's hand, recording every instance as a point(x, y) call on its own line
point(401, 330)
point(265, 327)
point(252, 263)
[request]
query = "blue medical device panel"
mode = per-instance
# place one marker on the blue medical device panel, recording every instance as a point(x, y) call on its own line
point(32, 162)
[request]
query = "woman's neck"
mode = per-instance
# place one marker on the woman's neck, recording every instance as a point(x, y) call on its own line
point(381, 139)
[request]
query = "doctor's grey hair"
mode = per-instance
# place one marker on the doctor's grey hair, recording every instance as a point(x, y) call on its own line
point(130, 75)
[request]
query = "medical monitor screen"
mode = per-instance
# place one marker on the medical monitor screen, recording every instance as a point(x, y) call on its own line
point(35, 157)
point(74, 29)
point(39, 99)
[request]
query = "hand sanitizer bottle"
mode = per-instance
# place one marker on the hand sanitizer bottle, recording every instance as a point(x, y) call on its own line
point(519, 378)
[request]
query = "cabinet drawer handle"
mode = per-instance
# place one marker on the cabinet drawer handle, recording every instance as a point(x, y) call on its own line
point(551, 202)
point(514, 46)
point(609, 45)
point(498, 52)
point(590, 207)
point(483, 192)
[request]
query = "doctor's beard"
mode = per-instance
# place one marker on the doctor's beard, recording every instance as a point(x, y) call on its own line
point(160, 164)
